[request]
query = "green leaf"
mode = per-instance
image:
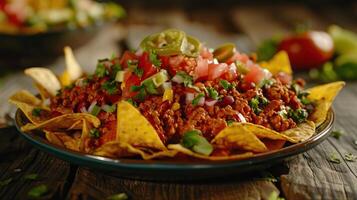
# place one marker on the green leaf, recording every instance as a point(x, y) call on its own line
point(194, 141)
point(197, 99)
point(275, 196)
point(150, 87)
point(299, 115)
point(31, 176)
point(120, 196)
point(94, 133)
point(5, 182)
point(36, 112)
point(225, 84)
point(38, 191)
point(336, 134)
point(254, 105)
point(115, 69)
point(138, 71)
point(132, 102)
point(350, 157)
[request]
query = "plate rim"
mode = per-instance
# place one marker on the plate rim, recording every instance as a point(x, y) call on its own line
point(80, 158)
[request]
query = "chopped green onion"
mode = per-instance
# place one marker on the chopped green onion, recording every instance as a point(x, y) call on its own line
point(120, 76)
point(132, 102)
point(115, 69)
point(141, 95)
point(38, 191)
point(150, 86)
point(94, 133)
point(187, 79)
point(241, 68)
point(36, 112)
point(193, 140)
point(225, 84)
point(95, 110)
point(212, 93)
point(254, 104)
point(108, 108)
point(197, 99)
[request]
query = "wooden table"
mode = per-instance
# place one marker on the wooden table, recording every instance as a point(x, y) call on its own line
point(307, 176)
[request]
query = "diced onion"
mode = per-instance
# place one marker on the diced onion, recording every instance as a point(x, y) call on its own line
point(177, 79)
point(83, 110)
point(201, 102)
point(79, 82)
point(90, 108)
point(160, 78)
point(119, 77)
point(167, 85)
point(139, 52)
point(242, 118)
point(189, 97)
point(210, 102)
point(215, 61)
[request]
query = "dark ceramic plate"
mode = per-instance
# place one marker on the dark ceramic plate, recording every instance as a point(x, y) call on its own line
point(23, 50)
point(174, 169)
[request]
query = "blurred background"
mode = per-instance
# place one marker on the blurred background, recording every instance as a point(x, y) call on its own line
point(34, 32)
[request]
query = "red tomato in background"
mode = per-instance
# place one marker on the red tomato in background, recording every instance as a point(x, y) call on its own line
point(130, 79)
point(308, 50)
point(255, 75)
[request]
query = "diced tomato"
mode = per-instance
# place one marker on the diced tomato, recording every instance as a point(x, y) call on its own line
point(231, 73)
point(201, 69)
point(255, 75)
point(216, 70)
point(128, 55)
point(206, 54)
point(146, 65)
point(130, 80)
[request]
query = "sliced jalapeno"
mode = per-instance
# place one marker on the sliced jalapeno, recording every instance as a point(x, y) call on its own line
point(224, 52)
point(171, 42)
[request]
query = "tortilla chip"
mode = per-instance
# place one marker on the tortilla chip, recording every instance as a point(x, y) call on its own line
point(263, 132)
point(73, 69)
point(273, 144)
point(63, 139)
point(279, 63)
point(53, 138)
point(43, 93)
point(323, 96)
point(113, 149)
point(64, 122)
point(183, 150)
point(44, 77)
point(300, 133)
point(240, 136)
point(26, 102)
point(134, 129)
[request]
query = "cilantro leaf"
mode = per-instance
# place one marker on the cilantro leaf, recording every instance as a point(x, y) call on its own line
point(5, 182)
point(120, 196)
point(154, 60)
point(101, 70)
point(31, 176)
point(138, 71)
point(334, 159)
point(110, 87)
point(350, 157)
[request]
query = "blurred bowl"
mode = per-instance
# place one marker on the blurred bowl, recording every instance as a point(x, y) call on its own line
point(24, 50)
